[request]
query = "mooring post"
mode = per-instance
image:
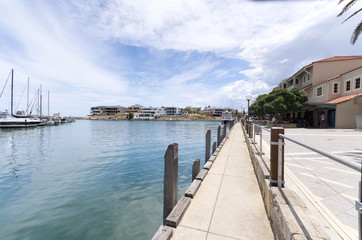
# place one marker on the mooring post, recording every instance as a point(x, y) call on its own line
point(213, 147)
point(274, 138)
point(195, 169)
point(208, 145)
point(247, 128)
point(251, 130)
point(170, 182)
point(218, 135)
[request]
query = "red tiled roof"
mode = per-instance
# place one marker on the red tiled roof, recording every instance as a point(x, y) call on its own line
point(330, 79)
point(339, 58)
point(309, 85)
point(344, 99)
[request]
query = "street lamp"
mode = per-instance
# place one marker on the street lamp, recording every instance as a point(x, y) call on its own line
point(243, 111)
point(248, 98)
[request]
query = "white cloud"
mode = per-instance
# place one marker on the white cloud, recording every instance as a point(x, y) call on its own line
point(45, 49)
point(72, 47)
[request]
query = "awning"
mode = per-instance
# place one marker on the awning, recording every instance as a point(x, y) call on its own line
point(318, 106)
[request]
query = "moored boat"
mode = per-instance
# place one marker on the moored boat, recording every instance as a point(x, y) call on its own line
point(9, 121)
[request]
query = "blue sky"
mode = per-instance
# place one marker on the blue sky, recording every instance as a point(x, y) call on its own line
point(163, 53)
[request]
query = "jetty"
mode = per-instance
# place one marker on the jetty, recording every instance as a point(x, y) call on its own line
point(236, 195)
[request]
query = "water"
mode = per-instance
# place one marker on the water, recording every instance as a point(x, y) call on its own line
point(92, 179)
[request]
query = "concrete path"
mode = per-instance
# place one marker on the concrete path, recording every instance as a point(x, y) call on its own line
point(228, 204)
point(328, 188)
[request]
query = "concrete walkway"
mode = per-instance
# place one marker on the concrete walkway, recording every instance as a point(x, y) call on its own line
point(228, 204)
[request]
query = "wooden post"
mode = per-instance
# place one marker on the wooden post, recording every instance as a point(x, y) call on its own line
point(195, 169)
point(218, 135)
point(247, 127)
point(250, 130)
point(208, 145)
point(274, 137)
point(213, 147)
point(170, 183)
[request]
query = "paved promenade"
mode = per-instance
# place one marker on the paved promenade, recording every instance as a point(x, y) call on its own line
point(329, 189)
point(228, 204)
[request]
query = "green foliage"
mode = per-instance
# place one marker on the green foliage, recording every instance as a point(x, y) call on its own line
point(130, 116)
point(278, 102)
point(357, 31)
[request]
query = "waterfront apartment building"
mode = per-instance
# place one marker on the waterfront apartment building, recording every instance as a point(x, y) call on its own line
point(217, 112)
point(107, 110)
point(173, 111)
point(134, 109)
point(150, 113)
point(332, 86)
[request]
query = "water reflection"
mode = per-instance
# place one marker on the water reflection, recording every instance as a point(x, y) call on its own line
point(91, 179)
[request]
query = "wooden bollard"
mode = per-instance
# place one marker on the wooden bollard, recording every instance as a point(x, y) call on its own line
point(208, 145)
point(195, 168)
point(218, 135)
point(247, 127)
point(170, 183)
point(274, 137)
point(213, 147)
point(251, 130)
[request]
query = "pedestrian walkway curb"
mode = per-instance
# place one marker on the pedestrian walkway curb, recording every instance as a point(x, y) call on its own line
point(289, 216)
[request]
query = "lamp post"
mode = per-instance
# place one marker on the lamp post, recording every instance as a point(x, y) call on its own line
point(244, 111)
point(248, 98)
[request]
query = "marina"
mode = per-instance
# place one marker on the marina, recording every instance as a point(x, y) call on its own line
point(91, 179)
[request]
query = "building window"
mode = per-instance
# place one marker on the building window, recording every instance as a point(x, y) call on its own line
point(304, 79)
point(308, 77)
point(357, 83)
point(296, 81)
point(335, 88)
point(348, 86)
point(319, 91)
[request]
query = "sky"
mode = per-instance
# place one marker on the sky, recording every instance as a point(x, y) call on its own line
point(162, 52)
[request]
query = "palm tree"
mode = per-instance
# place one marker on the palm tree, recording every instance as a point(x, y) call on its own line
point(358, 29)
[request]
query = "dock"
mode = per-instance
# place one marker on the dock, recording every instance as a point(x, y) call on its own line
point(228, 204)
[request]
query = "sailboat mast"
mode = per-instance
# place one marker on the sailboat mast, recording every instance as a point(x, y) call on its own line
point(27, 100)
point(12, 90)
point(41, 101)
point(48, 105)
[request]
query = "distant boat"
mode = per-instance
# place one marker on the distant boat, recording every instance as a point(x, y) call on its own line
point(16, 121)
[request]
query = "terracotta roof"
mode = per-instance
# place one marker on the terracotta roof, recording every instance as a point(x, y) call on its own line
point(339, 58)
point(344, 99)
point(309, 85)
point(330, 79)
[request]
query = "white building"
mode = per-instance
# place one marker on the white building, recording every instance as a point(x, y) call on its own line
point(173, 111)
point(150, 113)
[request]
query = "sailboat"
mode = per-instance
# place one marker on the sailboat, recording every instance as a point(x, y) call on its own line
point(16, 121)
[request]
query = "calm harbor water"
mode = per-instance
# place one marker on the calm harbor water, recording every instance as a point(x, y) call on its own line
point(91, 179)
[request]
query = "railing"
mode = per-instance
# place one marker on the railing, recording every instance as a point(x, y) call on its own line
point(277, 137)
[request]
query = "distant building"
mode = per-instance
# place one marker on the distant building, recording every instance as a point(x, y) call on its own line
point(107, 110)
point(331, 84)
point(217, 112)
point(173, 111)
point(150, 113)
point(134, 109)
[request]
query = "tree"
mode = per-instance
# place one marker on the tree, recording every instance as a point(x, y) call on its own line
point(278, 102)
point(358, 29)
point(130, 116)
